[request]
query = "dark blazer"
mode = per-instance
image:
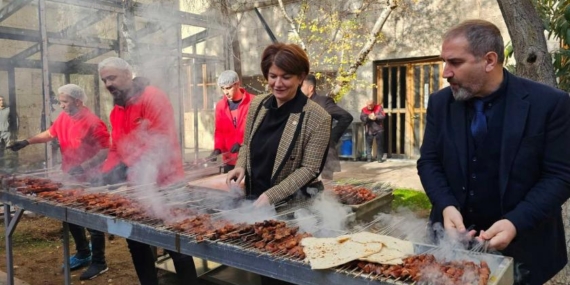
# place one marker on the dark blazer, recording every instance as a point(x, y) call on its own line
point(534, 168)
point(337, 113)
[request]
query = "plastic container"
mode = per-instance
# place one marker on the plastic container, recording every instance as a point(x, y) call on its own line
point(346, 144)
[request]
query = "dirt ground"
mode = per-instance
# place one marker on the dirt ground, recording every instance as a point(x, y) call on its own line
point(38, 256)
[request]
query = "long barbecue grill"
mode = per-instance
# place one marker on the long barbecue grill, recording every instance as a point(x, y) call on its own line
point(238, 253)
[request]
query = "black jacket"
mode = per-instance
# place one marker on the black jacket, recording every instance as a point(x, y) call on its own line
point(534, 168)
point(337, 113)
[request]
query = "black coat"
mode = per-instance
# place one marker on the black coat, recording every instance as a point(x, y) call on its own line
point(337, 113)
point(534, 168)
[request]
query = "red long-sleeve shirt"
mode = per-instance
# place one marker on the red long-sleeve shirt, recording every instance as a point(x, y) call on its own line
point(144, 138)
point(80, 136)
point(226, 133)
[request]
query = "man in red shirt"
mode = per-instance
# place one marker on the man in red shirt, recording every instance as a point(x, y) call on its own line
point(145, 149)
point(84, 142)
point(372, 115)
point(231, 112)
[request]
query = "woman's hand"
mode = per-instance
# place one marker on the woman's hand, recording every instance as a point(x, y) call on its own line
point(262, 201)
point(237, 175)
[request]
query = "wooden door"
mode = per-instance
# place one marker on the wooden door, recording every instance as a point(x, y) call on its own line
point(404, 88)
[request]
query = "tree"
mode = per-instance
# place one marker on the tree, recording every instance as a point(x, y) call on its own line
point(335, 36)
point(555, 15)
point(526, 30)
point(526, 26)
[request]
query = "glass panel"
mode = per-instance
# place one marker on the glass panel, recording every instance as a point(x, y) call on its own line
point(403, 89)
point(417, 87)
point(394, 86)
point(402, 123)
point(385, 86)
point(435, 77)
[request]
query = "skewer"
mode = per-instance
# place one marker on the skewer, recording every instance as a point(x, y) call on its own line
point(38, 171)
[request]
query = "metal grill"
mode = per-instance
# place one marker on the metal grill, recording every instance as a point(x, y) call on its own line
point(239, 252)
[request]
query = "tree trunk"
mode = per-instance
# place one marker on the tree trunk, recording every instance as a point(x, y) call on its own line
point(533, 62)
point(529, 44)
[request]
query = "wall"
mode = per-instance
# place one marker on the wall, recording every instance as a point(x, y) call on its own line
point(412, 30)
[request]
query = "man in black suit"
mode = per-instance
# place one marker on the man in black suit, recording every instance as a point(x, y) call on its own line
point(496, 154)
point(341, 121)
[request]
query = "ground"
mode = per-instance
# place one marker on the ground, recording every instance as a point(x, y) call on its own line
point(38, 256)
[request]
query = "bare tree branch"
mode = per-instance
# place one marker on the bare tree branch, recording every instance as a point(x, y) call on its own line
point(294, 28)
point(363, 54)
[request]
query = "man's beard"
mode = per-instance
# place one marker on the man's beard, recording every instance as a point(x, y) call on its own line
point(119, 96)
point(462, 94)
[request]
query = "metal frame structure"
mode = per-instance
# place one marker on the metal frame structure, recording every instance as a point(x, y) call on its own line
point(99, 46)
point(248, 259)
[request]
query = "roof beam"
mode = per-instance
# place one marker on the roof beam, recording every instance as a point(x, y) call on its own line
point(54, 67)
point(54, 38)
point(86, 57)
point(200, 37)
point(109, 6)
point(69, 31)
point(12, 8)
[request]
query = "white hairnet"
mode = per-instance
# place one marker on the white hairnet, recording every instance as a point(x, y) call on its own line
point(115, 62)
point(73, 91)
point(227, 78)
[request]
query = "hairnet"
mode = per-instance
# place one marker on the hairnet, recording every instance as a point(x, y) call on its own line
point(227, 78)
point(73, 91)
point(115, 62)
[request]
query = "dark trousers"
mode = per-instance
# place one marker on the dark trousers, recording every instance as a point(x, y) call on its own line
point(228, 168)
point(82, 245)
point(143, 260)
point(379, 138)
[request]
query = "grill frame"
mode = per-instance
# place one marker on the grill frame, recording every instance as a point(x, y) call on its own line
point(248, 259)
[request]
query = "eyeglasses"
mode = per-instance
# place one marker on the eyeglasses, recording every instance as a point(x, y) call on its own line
point(228, 87)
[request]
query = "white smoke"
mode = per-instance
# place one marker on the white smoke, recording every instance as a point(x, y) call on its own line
point(326, 216)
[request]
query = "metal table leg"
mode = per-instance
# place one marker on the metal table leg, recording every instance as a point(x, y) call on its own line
point(10, 224)
point(66, 271)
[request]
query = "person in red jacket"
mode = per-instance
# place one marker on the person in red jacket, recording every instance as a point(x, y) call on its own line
point(372, 115)
point(231, 112)
point(145, 149)
point(84, 142)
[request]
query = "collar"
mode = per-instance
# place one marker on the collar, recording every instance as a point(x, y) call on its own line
point(502, 89)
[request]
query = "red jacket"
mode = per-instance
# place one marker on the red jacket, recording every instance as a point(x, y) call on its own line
point(373, 126)
point(226, 134)
point(80, 136)
point(144, 138)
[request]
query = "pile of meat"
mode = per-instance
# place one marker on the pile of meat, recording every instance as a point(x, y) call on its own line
point(425, 269)
point(272, 236)
point(353, 195)
point(32, 185)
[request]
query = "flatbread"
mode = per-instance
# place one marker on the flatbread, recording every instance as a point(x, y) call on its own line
point(394, 251)
point(391, 243)
point(324, 253)
point(386, 256)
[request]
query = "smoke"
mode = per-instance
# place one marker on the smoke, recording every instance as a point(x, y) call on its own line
point(326, 216)
point(403, 225)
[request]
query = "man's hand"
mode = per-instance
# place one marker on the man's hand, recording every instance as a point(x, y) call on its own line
point(77, 170)
point(19, 145)
point(214, 155)
point(452, 219)
point(372, 116)
point(262, 201)
point(116, 175)
point(235, 148)
point(499, 235)
point(237, 175)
